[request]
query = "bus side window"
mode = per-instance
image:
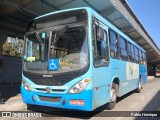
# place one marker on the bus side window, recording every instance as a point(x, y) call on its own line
point(129, 52)
point(140, 56)
point(114, 47)
point(123, 48)
point(100, 47)
point(132, 52)
point(136, 55)
point(144, 58)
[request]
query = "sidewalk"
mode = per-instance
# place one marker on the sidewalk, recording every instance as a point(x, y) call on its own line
point(13, 104)
point(150, 77)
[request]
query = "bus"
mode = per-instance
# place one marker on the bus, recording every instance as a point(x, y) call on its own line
point(158, 70)
point(75, 59)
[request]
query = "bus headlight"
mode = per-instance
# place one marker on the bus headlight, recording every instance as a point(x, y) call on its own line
point(26, 86)
point(80, 86)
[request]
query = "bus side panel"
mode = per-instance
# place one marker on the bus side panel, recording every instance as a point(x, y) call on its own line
point(143, 73)
point(121, 70)
point(102, 79)
point(123, 86)
point(129, 77)
point(102, 82)
point(101, 90)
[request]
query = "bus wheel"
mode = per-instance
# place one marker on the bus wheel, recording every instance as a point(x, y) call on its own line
point(138, 90)
point(113, 99)
point(29, 107)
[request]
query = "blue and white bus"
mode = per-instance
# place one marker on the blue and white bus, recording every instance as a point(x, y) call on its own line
point(76, 59)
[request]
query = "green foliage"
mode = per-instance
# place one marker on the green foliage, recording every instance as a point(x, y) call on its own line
point(13, 47)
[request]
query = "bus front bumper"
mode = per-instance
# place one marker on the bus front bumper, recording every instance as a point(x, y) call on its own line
point(81, 101)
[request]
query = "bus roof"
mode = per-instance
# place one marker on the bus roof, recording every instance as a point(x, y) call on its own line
point(60, 11)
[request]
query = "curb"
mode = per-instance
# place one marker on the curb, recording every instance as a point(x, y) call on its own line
point(150, 77)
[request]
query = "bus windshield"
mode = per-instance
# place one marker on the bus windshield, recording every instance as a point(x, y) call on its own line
point(36, 51)
point(67, 44)
point(61, 37)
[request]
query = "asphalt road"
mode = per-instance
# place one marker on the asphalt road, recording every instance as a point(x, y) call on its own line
point(147, 100)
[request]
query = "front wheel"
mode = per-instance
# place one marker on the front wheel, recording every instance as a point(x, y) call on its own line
point(29, 106)
point(113, 99)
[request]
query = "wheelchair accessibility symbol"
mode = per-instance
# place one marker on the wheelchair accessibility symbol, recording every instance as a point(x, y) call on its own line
point(53, 64)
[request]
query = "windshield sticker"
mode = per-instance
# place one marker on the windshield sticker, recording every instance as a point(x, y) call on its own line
point(43, 35)
point(53, 64)
point(66, 64)
point(30, 58)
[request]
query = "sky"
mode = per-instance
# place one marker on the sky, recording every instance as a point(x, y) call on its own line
point(148, 12)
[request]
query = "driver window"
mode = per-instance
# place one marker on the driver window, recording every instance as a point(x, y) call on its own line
point(100, 46)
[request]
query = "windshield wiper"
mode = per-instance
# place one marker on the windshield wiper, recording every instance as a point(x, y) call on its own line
point(61, 32)
point(38, 37)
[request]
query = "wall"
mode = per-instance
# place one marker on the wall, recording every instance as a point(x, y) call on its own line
point(11, 71)
point(3, 38)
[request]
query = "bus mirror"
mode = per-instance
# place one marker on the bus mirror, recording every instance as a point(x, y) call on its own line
point(100, 34)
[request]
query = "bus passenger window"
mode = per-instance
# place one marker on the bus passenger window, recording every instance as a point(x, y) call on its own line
point(129, 51)
point(114, 48)
point(144, 58)
point(101, 45)
point(140, 57)
point(123, 48)
point(136, 55)
point(132, 50)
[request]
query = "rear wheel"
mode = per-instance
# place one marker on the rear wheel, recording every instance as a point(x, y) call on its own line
point(138, 90)
point(113, 99)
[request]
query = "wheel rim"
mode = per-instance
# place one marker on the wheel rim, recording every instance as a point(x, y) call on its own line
point(139, 85)
point(113, 95)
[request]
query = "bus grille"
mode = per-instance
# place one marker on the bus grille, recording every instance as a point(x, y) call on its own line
point(54, 90)
point(49, 99)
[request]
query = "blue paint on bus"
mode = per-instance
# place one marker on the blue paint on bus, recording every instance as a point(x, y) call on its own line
point(98, 90)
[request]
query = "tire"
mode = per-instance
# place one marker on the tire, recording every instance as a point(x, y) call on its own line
point(29, 107)
point(138, 90)
point(113, 100)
